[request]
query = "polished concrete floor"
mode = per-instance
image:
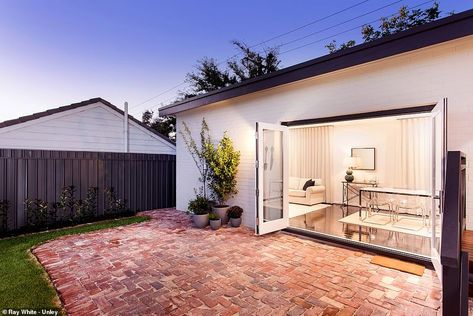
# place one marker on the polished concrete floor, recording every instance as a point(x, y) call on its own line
point(326, 221)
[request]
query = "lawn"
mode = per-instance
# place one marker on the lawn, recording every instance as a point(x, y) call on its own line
point(23, 282)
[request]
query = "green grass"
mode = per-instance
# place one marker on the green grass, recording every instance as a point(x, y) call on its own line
point(23, 281)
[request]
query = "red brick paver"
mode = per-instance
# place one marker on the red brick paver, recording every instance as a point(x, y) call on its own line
point(164, 266)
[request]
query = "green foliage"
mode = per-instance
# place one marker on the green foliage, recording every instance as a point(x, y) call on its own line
point(23, 281)
point(116, 206)
point(235, 212)
point(86, 209)
point(165, 125)
point(253, 64)
point(4, 206)
point(198, 152)
point(199, 206)
point(223, 161)
point(42, 215)
point(332, 46)
point(213, 217)
point(403, 20)
point(36, 213)
point(209, 76)
point(67, 202)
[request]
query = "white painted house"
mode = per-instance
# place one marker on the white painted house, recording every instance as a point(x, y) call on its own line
point(94, 125)
point(304, 121)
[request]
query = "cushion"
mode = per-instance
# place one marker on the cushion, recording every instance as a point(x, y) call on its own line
point(302, 182)
point(293, 183)
point(318, 181)
point(309, 183)
point(297, 193)
point(315, 189)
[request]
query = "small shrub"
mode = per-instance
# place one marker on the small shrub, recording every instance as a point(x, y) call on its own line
point(213, 217)
point(67, 202)
point(4, 206)
point(115, 205)
point(91, 203)
point(53, 219)
point(199, 206)
point(86, 210)
point(36, 213)
point(235, 212)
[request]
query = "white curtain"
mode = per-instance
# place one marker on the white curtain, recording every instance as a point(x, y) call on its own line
point(310, 154)
point(413, 154)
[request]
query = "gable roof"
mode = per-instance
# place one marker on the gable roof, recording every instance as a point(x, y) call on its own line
point(38, 115)
point(442, 30)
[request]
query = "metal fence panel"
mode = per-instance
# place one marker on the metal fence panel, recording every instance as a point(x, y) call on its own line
point(146, 181)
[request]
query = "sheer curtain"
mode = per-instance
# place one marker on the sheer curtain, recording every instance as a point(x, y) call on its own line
point(413, 154)
point(310, 154)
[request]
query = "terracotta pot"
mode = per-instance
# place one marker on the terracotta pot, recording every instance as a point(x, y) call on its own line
point(216, 224)
point(235, 222)
point(200, 221)
point(222, 212)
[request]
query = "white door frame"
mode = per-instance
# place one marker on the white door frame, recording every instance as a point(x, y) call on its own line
point(262, 226)
point(439, 121)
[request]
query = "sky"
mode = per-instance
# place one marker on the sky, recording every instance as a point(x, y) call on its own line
point(56, 52)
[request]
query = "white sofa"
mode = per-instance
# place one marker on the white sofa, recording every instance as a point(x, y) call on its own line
point(312, 195)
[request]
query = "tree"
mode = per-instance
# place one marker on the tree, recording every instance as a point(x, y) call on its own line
point(165, 125)
point(209, 76)
point(223, 161)
point(332, 46)
point(403, 20)
point(199, 152)
point(252, 64)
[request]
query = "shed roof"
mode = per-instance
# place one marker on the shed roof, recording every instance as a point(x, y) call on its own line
point(442, 30)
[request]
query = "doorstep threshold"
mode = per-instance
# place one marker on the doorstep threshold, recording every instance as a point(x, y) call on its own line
point(375, 249)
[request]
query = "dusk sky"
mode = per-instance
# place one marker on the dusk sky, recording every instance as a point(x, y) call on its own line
point(55, 52)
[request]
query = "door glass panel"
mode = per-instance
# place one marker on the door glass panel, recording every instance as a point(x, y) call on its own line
point(438, 175)
point(273, 204)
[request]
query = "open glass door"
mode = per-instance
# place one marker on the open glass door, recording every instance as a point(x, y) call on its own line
point(439, 153)
point(272, 167)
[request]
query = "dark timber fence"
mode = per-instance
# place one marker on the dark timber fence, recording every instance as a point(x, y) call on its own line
point(146, 181)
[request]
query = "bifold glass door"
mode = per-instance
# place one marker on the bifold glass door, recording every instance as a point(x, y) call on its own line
point(272, 167)
point(439, 153)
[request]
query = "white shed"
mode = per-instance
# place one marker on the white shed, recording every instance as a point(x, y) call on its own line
point(94, 125)
point(305, 121)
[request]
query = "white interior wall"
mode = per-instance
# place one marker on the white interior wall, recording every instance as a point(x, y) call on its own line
point(378, 134)
point(416, 78)
point(382, 134)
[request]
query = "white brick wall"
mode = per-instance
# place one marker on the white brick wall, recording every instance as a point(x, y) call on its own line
point(417, 78)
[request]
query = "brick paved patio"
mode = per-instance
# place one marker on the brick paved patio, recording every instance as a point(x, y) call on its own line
point(164, 266)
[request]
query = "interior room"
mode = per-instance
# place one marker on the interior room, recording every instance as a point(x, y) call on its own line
point(365, 180)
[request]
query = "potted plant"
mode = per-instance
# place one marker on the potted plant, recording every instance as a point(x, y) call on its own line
point(223, 161)
point(199, 207)
point(215, 221)
point(234, 213)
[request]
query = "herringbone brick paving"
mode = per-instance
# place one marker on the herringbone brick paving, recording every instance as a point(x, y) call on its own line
point(164, 266)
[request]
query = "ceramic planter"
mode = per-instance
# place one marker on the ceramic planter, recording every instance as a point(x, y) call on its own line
point(216, 224)
point(222, 213)
point(200, 221)
point(235, 222)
